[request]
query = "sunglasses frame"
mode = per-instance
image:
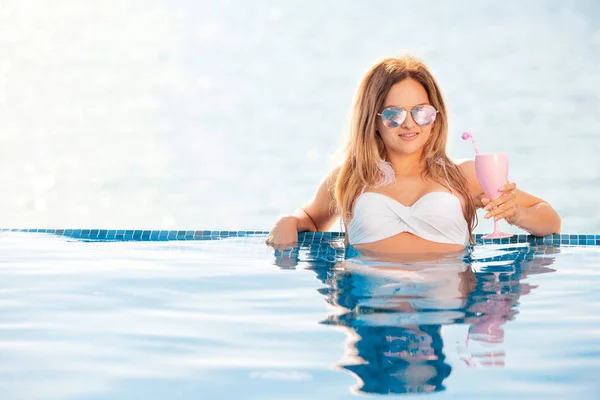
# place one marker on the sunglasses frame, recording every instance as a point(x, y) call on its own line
point(410, 112)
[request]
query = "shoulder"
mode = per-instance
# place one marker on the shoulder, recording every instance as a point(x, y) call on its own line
point(335, 172)
point(329, 181)
point(333, 176)
point(467, 168)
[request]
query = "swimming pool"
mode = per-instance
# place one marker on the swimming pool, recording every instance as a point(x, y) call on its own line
point(94, 314)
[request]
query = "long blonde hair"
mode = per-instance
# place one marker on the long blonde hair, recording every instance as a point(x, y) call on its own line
point(365, 162)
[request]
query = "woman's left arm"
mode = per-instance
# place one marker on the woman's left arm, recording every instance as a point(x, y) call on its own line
point(517, 207)
point(523, 210)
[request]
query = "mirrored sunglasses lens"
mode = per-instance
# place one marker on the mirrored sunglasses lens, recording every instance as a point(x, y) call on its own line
point(424, 115)
point(393, 117)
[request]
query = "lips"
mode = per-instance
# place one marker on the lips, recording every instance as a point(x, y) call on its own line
point(408, 136)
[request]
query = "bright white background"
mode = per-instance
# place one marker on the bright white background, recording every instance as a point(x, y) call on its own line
point(222, 115)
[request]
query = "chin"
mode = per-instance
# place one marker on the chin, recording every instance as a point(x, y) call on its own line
point(409, 150)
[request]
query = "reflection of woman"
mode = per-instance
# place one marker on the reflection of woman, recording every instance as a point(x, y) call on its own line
point(436, 285)
point(494, 300)
point(398, 359)
point(393, 310)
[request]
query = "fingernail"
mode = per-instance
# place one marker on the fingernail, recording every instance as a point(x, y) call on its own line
point(501, 189)
point(486, 216)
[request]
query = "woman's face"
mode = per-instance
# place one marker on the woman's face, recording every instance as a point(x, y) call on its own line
point(408, 137)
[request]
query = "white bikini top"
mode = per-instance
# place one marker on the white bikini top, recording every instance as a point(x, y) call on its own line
point(437, 217)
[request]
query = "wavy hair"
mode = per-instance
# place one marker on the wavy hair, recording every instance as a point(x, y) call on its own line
point(365, 162)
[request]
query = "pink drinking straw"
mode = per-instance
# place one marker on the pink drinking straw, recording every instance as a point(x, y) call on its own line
point(467, 135)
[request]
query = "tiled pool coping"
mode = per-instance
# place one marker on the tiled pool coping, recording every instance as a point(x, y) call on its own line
point(166, 235)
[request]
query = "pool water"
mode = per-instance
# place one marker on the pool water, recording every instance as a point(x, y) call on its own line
point(226, 317)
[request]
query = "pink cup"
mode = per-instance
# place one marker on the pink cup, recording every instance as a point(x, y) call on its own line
point(492, 173)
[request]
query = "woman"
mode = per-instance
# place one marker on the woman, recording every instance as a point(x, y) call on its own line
point(396, 190)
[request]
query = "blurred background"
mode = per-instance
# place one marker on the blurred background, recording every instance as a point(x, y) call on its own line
point(224, 114)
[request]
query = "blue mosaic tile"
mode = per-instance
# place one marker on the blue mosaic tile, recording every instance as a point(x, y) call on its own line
point(306, 237)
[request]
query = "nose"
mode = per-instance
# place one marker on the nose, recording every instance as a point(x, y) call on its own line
point(408, 122)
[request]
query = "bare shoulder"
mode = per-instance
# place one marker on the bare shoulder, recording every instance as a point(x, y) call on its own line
point(321, 209)
point(331, 178)
point(467, 168)
point(334, 172)
point(325, 192)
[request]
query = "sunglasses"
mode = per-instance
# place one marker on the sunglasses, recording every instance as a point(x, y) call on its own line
point(423, 115)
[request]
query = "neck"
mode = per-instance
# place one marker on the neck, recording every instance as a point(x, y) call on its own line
point(406, 164)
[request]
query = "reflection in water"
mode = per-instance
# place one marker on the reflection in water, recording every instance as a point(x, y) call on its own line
point(393, 309)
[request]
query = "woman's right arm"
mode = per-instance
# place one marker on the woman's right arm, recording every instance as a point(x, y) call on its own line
point(317, 215)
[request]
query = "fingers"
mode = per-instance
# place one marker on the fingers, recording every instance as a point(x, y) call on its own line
point(508, 187)
point(507, 190)
point(282, 246)
point(281, 242)
point(506, 208)
point(506, 214)
point(505, 198)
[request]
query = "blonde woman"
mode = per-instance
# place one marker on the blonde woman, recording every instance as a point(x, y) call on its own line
point(396, 190)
